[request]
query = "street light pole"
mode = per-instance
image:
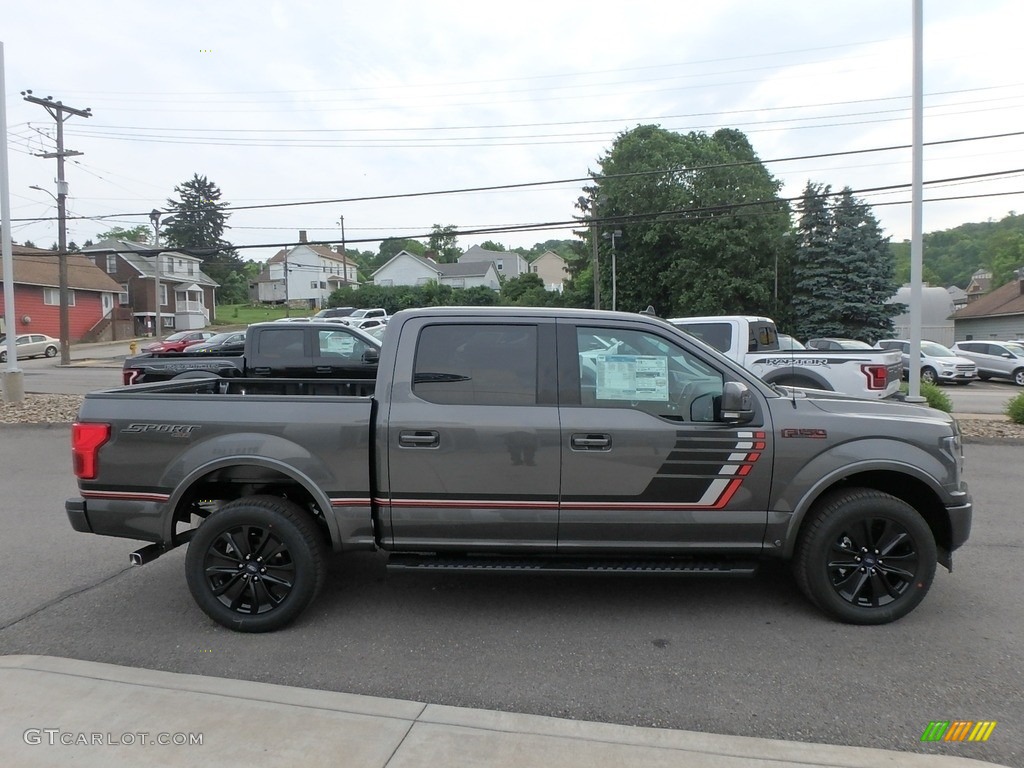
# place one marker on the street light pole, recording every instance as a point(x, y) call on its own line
point(154, 216)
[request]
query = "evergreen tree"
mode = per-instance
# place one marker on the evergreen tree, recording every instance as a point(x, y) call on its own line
point(198, 229)
point(844, 273)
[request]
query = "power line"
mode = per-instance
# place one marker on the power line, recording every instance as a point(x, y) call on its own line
point(573, 180)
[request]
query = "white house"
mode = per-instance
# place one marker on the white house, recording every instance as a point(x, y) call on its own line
point(406, 268)
point(306, 273)
point(506, 263)
point(551, 268)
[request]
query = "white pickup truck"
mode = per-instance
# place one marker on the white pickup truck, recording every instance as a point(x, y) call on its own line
point(753, 342)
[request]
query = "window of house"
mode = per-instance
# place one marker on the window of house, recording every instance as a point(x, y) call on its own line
point(314, 283)
point(323, 285)
point(499, 264)
point(122, 297)
point(487, 364)
point(111, 263)
point(644, 372)
point(51, 297)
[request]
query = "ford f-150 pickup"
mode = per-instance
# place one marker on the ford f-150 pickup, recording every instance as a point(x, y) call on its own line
point(537, 440)
point(753, 342)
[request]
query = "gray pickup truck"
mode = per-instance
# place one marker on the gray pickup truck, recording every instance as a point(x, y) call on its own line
point(534, 440)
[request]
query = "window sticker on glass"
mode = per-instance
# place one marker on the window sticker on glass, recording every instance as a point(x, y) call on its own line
point(632, 377)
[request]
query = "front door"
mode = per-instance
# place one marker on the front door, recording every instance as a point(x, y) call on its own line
point(645, 465)
point(473, 441)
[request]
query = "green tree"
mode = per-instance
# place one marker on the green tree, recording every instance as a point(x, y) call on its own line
point(702, 225)
point(198, 228)
point(199, 217)
point(444, 242)
point(844, 272)
point(392, 246)
point(490, 245)
point(140, 234)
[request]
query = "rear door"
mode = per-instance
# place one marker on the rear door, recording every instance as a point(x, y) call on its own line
point(472, 438)
point(645, 465)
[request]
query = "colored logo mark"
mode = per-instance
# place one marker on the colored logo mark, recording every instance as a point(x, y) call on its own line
point(958, 730)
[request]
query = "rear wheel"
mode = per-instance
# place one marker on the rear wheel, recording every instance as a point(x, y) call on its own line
point(865, 557)
point(51, 351)
point(256, 564)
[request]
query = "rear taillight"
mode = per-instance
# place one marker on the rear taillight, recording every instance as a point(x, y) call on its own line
point(129, 375)
point(86, 440)
point(877, 375)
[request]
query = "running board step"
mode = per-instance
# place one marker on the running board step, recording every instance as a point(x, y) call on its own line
point(490, 564)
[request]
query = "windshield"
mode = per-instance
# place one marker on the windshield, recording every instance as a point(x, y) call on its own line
point(1017, 349)
point(933, 349)
point(852, 344)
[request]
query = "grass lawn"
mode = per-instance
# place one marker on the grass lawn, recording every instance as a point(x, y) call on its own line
point(243, 314)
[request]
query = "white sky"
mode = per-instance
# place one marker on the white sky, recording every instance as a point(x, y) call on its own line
point(301, 101)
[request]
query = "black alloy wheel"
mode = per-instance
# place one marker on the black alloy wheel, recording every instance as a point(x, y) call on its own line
point(865, 557)
point(255, 564)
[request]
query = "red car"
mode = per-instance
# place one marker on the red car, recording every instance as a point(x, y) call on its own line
point(176, 342)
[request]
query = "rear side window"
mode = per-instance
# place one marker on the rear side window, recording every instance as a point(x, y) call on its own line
point(280, 342)
point(477, 364)
point(717, 335)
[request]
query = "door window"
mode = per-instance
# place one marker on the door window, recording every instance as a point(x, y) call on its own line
point(642, 371)
point(487, 364)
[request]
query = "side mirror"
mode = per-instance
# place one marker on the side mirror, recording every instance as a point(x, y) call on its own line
point(737, 403)
point(371, 356)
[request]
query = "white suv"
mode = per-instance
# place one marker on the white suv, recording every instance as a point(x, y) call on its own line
point(995, 359)
point(939, 364)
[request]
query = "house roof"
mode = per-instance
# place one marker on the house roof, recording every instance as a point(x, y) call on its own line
point(430, 264)
point(319, 250)
point(466, 269)
point(35, 266)
point(1005, 300)
point(142, 258)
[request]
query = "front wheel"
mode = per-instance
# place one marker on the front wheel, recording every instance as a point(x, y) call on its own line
point(3, 356)
point(1018, 377)
point(256, 564)
point(928, 375)
point(865, 557)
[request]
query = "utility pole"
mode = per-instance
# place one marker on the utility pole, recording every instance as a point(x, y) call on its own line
point(59, 112)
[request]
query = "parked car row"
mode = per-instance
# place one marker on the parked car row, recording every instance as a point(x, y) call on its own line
point(939, 364)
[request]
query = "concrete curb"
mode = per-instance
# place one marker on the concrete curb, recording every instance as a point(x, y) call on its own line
point(242, 722)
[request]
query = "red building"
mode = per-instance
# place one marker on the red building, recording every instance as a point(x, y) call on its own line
point(92, 296)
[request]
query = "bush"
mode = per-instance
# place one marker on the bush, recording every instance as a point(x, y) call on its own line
point(1015, 409)
point(933, 394)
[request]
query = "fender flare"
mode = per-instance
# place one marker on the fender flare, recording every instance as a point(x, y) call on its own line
point(780, 374)
point(830, 479)
point(300, 478)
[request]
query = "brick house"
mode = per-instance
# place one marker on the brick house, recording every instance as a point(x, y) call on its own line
point(188, 295)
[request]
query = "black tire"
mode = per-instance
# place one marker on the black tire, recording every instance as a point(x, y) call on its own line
point(865, 557)
point(928, 375)
point(983, 376)
point(3, 356)
point(255, 564)
point(1018, 377)
point(51, 351)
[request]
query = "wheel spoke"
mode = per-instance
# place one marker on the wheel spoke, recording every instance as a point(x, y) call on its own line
point(853, 594)
point(892, 536)
point(273, 579)
point(223, 588)
point(891, 570)
point(881, 585)
point(257, 549)
point(229, 535)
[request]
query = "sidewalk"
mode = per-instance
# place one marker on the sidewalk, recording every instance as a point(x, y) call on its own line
point(104, 715)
